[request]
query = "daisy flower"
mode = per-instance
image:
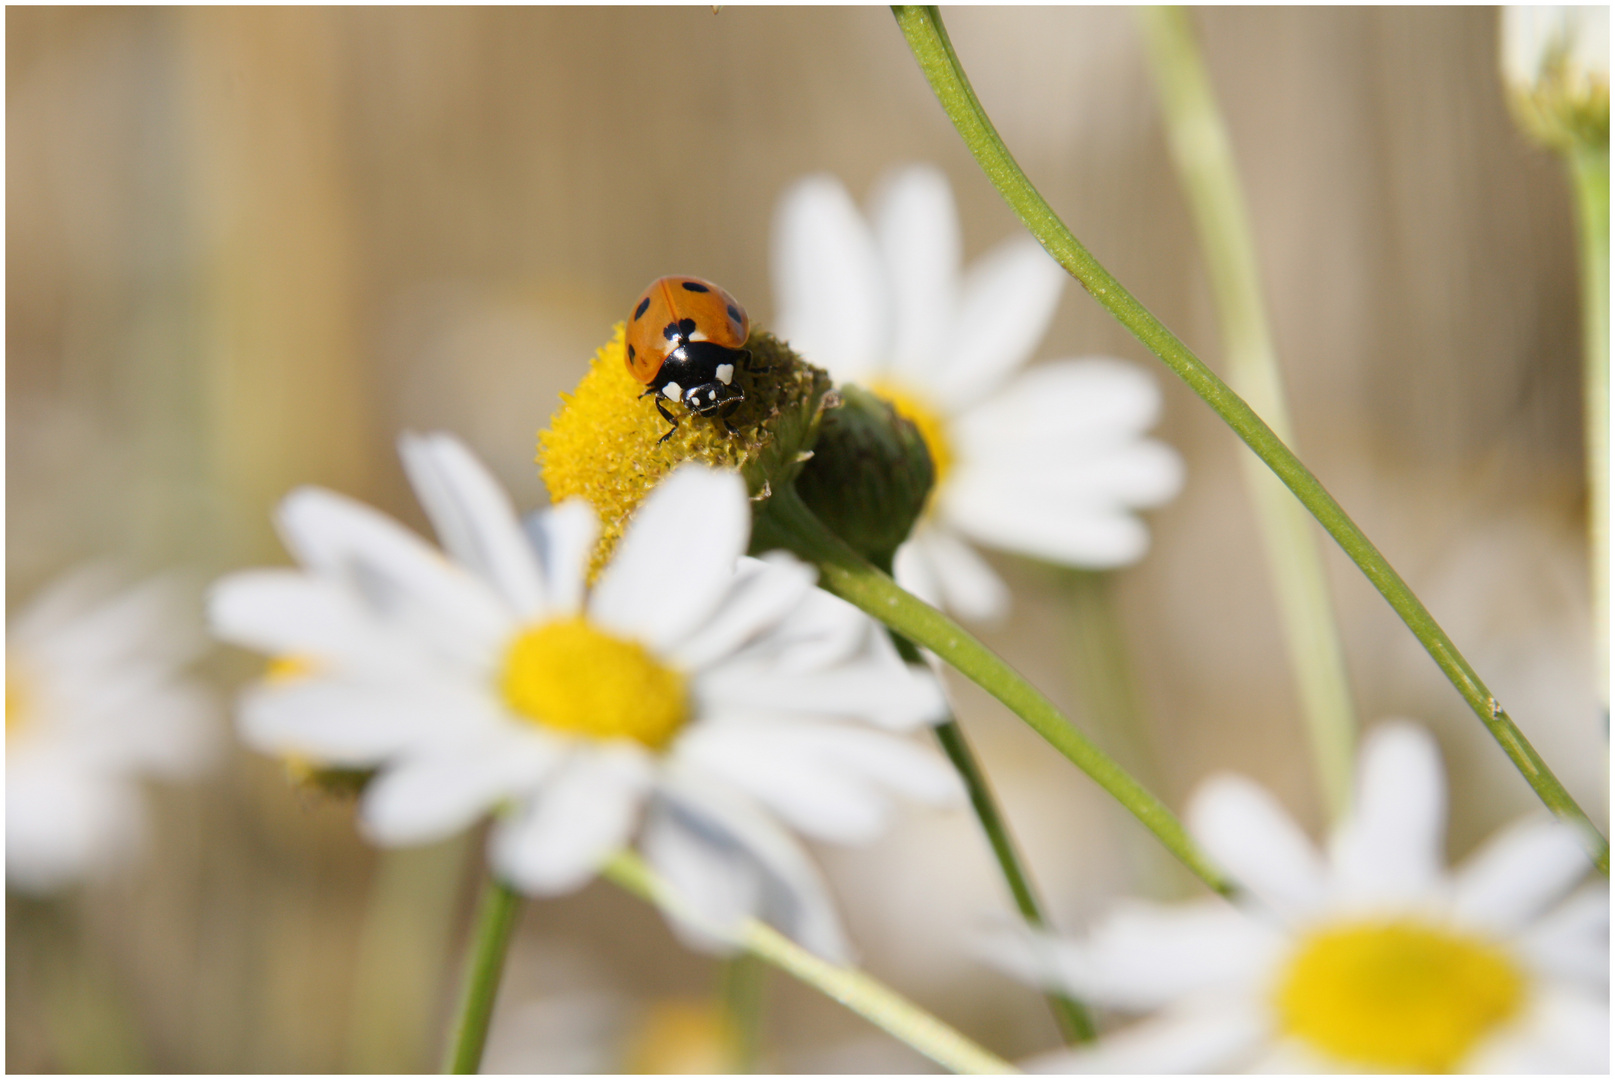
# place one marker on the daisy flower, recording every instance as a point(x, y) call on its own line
point(1369, 959)
point(95, 700)
point(704, 699)
point(1049, 463)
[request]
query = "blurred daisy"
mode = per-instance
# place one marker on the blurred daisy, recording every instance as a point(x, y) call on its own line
point(1372, 959)
point(94, 701)
point(1050, 463)
point(713, 695)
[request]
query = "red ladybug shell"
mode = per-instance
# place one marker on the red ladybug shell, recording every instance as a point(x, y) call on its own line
point(718, 318)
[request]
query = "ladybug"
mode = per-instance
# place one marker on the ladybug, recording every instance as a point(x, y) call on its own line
point(686, 340)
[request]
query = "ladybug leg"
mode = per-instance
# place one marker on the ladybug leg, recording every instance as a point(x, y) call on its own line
point(669, 417)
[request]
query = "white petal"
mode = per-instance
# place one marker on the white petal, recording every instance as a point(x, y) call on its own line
point(564, 537)
point(890, 695)
point(1562, 1032)
point(676, 560)
point(1144, 955)
point(557, 841)
point(815, 797)
point(64, 825)
point(474, 518)
point(1093, 401)
point(829, 287)
point(821, 632)
point(761, 594)
point(347, 723)
point(1037, 467)
point(1245, 831)
point(401, 579)
point(1009, 297)
point(1207, 1035)
point(289, 613)
point(1090, 536)
point(430, 797)
point(791, 893)
point(1518, 873)
point(970, 587)
point(893, 762)
point(1390, 848)
point(1572, 941)
point(912, 569)
point(917, 232)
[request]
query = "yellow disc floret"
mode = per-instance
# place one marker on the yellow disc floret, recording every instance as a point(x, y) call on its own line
point(1398, 996)
point(682, 1037)
point(18, 701)
point(570, 676)
point(605, 444)
point(915, 407)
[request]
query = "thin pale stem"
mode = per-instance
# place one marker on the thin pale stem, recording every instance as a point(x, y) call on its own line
point(878, 1004)
point(1069, 1014)
point(1101, 679)
point(922, 26)
point(1589, 172)
point(786, 522)
point(1204, 157)
point(741, 991)
point(485, 964)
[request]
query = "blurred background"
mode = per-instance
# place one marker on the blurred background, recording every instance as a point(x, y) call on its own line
point(247, 247)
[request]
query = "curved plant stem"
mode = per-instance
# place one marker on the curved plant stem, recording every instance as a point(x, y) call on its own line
point(786, 522)
point(490, 941)
point(1205, 162)
point(863, 995)
point(922, 27)
point(741, 996)
point(1589, 172)
point(1069, 1014)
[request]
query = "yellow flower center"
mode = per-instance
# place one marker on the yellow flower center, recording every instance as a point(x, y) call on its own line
point(605, 444)
point(682, 1037)
point(1397, 996)
point(571, 677)
point(917, 408)
point(18, 702)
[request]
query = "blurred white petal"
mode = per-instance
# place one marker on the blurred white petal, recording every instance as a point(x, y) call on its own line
point(1391, 845)
point(474, 518)
point(828, 281)
point(558, 839)
point(1007, 302)
point(917, 232)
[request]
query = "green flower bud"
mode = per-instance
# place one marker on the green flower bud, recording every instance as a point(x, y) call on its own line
point(870, 475)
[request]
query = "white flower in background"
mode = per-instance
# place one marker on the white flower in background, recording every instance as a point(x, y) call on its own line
point(1050, 463)
point(95, 701)
point(1550, 41)
point(712, 694)
point(1555, 64)
point(1372, 959)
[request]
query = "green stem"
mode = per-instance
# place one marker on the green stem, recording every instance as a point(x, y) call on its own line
point(786, 522)
point(922, 26)
point(1205, 162)
point(741, 993)
point(1589, 172)
point(863, 995)
point(1076, 1026)
point(495, 922)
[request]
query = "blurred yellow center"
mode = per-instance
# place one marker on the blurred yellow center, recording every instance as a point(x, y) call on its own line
point(569, 676)
point(916, 407)
point(681, 1037)
point(17, 702)
point(1397, 996)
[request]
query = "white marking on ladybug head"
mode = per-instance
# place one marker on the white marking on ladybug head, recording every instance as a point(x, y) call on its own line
point(726, 372)
point(696, 393)
point(672, 391)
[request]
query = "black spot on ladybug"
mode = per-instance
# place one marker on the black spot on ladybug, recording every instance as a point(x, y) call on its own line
point(640, 310)
point(630, 352)
point(734, 313)
point(694, 286)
